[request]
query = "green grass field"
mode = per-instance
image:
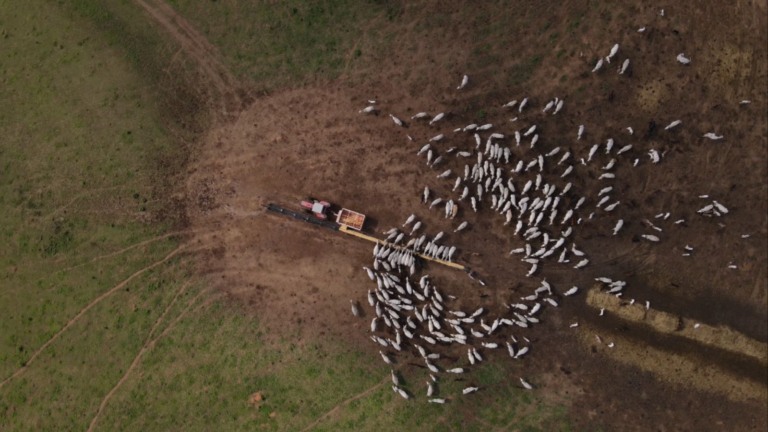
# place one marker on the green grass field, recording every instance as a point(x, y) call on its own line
point(273, 45)
point(79, 211)
point(277, 44)
point(101, 320)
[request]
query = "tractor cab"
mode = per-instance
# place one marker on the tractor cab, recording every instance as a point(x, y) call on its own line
point(317, 207)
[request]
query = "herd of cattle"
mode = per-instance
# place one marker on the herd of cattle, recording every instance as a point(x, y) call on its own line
point(542, 189)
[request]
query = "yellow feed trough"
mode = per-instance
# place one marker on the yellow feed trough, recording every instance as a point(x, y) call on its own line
point(346, 230)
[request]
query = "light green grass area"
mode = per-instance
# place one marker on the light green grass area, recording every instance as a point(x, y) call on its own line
point(82, 143)
point(201, 374)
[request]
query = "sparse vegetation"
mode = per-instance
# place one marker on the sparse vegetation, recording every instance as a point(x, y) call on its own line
point(522, 72)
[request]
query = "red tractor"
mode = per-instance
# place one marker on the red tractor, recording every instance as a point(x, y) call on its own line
point(318, 208)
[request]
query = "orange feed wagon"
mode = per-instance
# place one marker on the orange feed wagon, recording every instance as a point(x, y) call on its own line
point(351, 219)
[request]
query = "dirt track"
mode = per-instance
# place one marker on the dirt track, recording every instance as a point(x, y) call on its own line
point(311, 141)
point(204, 55)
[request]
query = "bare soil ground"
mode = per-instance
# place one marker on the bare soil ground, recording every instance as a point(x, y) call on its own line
point(311, 141)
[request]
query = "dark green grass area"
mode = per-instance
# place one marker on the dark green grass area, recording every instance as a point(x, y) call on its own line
point(275, 44)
